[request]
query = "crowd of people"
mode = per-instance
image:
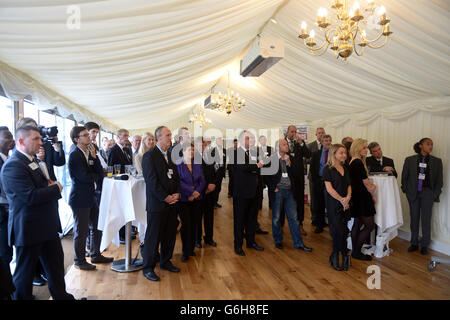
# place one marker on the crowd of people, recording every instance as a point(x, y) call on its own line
point(183, 182)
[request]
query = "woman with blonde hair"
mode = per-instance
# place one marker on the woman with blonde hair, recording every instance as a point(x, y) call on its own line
point(363, 198)
point(148, 143)
point(337, 200)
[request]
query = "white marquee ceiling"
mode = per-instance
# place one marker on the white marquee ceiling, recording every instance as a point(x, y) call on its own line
point(138, 64)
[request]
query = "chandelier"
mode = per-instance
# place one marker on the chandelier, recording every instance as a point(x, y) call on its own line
point(227, 102)
point(200, 117)
point(344, 36)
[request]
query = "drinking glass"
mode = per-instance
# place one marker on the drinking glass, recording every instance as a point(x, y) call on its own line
point(110, 171)
point(117, 168)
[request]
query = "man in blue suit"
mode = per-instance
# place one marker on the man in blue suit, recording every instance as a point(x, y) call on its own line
point(85, 169)
point(33, 223)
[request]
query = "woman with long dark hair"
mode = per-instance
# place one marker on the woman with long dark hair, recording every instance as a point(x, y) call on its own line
point(363, 196)
point(422, 181)
point(337, 199)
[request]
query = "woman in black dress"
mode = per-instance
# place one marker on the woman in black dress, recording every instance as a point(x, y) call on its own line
point(337, 198)
point(363, 199)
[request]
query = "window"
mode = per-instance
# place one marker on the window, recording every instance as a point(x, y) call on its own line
point(30, 111)
point(7, 112)
point(46, 119)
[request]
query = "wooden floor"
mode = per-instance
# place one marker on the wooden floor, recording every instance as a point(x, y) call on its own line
point(288, 274)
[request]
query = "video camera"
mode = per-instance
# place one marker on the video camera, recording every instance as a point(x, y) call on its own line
point(48, 134)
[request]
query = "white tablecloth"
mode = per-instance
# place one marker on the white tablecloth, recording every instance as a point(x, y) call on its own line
point(388, 215)
point(122, 201)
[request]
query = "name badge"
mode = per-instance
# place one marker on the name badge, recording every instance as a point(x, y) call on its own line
point(33, 166)
point(284, 174)
point(421, 176)
point(253, 158)
point(169, 173)
point(91, 162)
point(422, 165)
point(266, 153)
point(292, 154)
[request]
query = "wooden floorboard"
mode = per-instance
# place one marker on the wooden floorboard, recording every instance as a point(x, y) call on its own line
point(288, 274)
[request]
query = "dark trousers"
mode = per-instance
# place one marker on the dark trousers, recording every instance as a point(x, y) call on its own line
point(85, 223)
point(230, 181)
point(207, 213)
point(300, 199)
point(244, 213)
point(189, 214)
point(217, 190)
point(98, 196)
point(318, 211)
point(161, 228)
point(6, 251)
point(51, 255)
point(338, 232)
point(311, 201)
point(420, 209)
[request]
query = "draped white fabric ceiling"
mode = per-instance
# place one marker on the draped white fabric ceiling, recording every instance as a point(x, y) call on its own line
point(137, 64)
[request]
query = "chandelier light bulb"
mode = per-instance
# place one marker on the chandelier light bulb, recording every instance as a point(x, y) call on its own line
point(312, 34)
point(322, 12)
point(303, 26)
point(363, 34)
point(370, 2)
point(356, 6)
point(382, 10)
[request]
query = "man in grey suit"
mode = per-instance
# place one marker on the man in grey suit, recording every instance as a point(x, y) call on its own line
point(313, 147)
point(422, 180)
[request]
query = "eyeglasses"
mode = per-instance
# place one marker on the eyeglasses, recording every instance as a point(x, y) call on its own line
point(84, 135)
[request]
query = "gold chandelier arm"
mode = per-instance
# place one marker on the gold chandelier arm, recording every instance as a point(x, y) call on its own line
point(354, 42)
point(378, 37)
point(313, 50)
point(379, 46)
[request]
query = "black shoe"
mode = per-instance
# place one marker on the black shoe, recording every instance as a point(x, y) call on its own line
point(85, 266)
point(198, 244)
point(217, 205)
point(230, 196)
point(133, 231)
point(314, 224)
point(184, 258)
point(82, 298)
point(361, 256)
point(304, 248)
point(122, 240)
point(38, 281)
point(151, 275)
point(334, 261)
point(260, 231)
point(345, 260)
point(170, 267)
point(279, 245)
point(424, 250)
point(44, 277)
point(192, 254)
point(101, 259)
point(413, 248)
point(319, 229)
point(255, 246)
point(239, 251)
point(211, 243)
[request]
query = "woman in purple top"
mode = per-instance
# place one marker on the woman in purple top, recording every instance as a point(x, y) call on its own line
point(192, 184)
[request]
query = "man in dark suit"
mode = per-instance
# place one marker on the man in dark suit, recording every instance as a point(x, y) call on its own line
point(219, 154)
point(230, 161)
point(313, 147)
point(378, 163)
point(33, 224)
point(119, 154)
point(6, 144)
point(265, 151)
point(245, 206)
point(85, 170)
point(422, 181)
point(163, 192)
point(297, 151)
point(318, 161)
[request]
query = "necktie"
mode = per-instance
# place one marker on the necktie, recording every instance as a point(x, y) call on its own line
point(422, 170)
point(326, 156)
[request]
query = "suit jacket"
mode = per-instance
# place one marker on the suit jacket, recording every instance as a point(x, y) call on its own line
point(53, 158)
point(410, 177)
point(117, 156)
point(191, 182)
point(315, 166)
point(3, 200)
point(84, 175)
point(374, 166)
point(313, 147)
point(273, 180)
point(219, 167)
point(245, 174)
point(33, 205)
point(158, 184)
point(209, 172)
point(299, 152)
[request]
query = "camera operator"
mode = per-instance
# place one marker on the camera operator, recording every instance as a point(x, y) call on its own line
point(51, 153)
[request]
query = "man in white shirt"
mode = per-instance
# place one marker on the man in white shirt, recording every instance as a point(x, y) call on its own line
point(135, 145)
